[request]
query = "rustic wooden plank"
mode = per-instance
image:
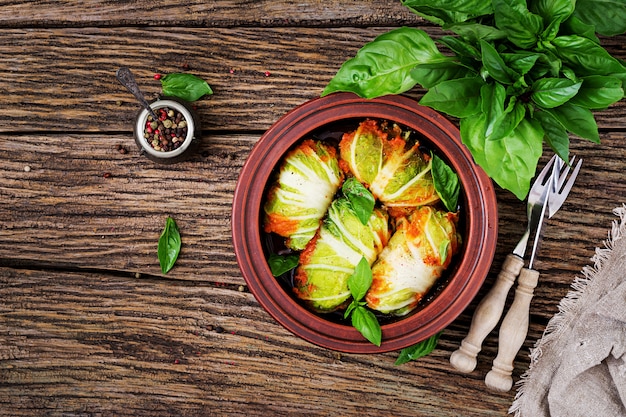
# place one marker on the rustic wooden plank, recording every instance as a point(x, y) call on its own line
point(63, 79)
point(97, 344)
point(194, 13)
point(68, 212)
point(84, 204)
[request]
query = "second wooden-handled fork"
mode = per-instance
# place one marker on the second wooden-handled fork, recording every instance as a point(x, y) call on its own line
point(514, 327)
point(489, 311)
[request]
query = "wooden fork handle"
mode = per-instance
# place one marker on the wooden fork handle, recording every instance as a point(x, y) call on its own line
point(513, 332)
point(487, 315)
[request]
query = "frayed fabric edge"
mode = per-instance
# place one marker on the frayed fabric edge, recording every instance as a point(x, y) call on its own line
point(569, 303)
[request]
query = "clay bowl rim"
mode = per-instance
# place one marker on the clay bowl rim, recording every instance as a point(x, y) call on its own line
point(479, 244)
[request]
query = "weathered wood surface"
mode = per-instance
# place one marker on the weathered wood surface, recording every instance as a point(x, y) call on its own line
point(49, 86)
point(88, 324)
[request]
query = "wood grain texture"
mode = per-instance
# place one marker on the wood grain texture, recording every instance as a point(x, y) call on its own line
point(63, 79)
point(96, 344)
point(88, 324)
point(194, 13)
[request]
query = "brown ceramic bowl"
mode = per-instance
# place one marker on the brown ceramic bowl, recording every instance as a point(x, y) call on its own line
point(328, 116)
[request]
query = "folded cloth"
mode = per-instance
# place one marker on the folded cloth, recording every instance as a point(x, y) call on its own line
point(578, 367)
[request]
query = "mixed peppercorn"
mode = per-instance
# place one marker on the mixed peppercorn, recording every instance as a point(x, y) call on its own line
point(168, 132)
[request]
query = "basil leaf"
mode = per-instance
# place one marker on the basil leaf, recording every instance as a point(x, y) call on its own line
point(578, 120)
point(552, 92)
point(169, 245)
point(361, 280)
point(418, 350)
point(429, 75)
point(384, 65)
point(469, 7)
point(494, 64)
point(280, 264)
point(587, 57)
point(520, 62)
point(460, 47)
point(366, 323)
point(492, 104)
point(187, 87)
point(449, 11)
point(446, 183)
point(598, 92)
point(608, 16)
point(553, 13)
point(521, 26)
point(508, 121)
point(458, 98)
point(476, 31)
point(360, 198)
point(511, 161)
point(554, 134)
point(575, 26)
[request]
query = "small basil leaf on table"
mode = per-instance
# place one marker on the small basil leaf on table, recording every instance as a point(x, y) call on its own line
point(418, 350)
point(187, 87)
point(360, 198)
point(280, 264)
point(169, 245)
point(446, 183)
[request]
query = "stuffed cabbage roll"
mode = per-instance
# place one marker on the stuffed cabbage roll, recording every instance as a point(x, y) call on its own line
point(397, 173)
point(417, 254)
point(331, 257)
point(307, 182)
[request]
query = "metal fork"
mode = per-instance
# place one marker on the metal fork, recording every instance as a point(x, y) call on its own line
point(514, 327)
point(489, 311)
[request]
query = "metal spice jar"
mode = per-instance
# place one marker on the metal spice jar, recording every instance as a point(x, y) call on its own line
point(173, 136)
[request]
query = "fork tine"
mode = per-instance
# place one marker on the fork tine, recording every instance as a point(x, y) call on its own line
point(558, 196)
point(565, 171)
point(545, 172)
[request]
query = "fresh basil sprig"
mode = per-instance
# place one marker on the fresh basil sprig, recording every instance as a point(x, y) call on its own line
point(362, 319)
point(360, 198)
point(187, 87)
point(446, 183)
point(280, 264)
point(169, 245)
point(418, 350)
point(520, 73)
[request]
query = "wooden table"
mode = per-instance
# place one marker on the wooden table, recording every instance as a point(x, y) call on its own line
point(88, 324)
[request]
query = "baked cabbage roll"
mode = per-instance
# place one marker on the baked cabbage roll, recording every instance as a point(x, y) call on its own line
point(396, 172)
point(321, 278)
point(308, 179)
point(419, 251)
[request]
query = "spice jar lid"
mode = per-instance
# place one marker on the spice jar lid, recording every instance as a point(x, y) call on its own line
point(189, 141)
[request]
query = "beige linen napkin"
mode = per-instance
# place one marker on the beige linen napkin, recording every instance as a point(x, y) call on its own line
point(578, 367)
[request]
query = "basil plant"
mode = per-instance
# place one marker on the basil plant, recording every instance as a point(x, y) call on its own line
point(515, 73)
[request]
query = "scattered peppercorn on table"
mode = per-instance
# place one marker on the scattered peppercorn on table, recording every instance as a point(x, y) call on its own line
point(89, 324)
